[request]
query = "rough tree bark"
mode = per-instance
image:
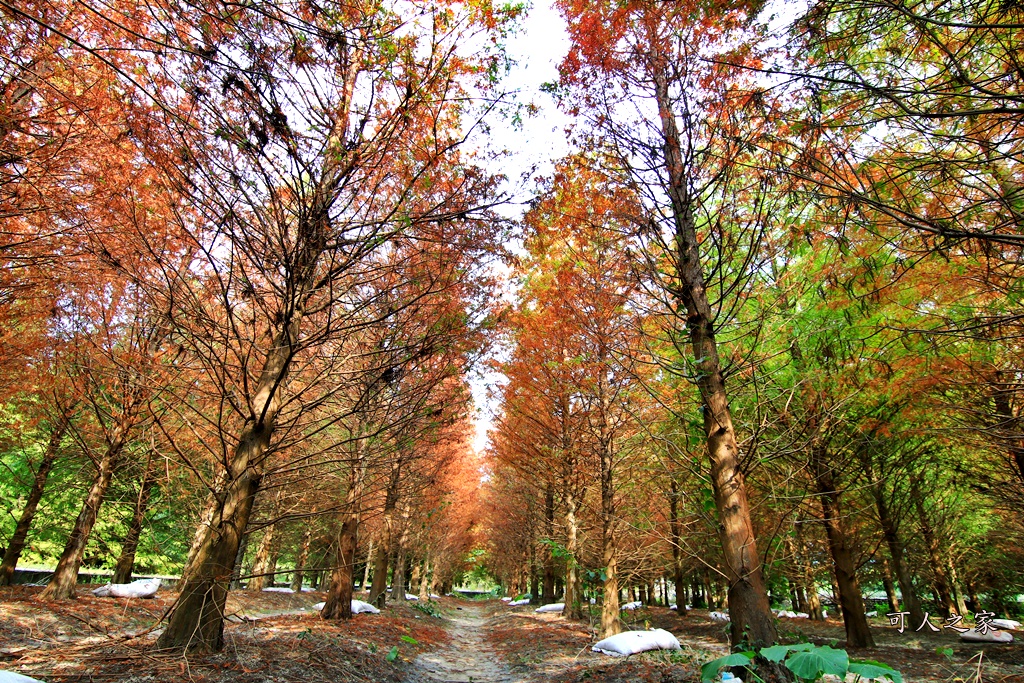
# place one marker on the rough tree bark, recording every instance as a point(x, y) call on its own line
point(548, 596)
point(890, 588)
point(17, 543)
point(378, 591)
point(339, 592)
point(911, 603)
point(398, 573)
point(676, 539)
point(126, 562)
point(300, 560)
point(942, 593)
point(65, 576)
point(752, 620)
point(573, 582)
point(858, 634)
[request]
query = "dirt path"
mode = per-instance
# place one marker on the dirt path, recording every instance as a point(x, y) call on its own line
point(467, 659)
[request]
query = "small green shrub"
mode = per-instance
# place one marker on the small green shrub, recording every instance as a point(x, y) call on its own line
point(429, 608)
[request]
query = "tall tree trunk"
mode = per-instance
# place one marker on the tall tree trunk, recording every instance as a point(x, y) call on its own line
point(958, 591)
point(260, 578)
point(610, 624)
point(424, 593)
point(65, 576)
point(28, 513)
point(858, 634)
point(944, 599)
point(574, 599)
point(380, 565)
point(339, 593)
point(197, 622)
point(911, 603)
point(300, 560)
point(890, 589)
point(809, 588)
point(366, 568)
point(534, 582)
point(752, 621)
point(398, 574)
point(236, 573)
point(126, 562)
point(676, 539)
point(549, 555)
point(378, 590)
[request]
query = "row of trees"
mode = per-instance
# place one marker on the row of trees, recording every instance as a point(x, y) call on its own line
point(244, 265)
point(782, 286)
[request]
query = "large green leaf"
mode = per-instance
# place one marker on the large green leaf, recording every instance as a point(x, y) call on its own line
point(776, 653)
point(812, 664)
point(711, 669)
point(871, 670)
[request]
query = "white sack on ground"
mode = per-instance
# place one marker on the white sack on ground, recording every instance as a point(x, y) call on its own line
point(719, 616)
point(632, 605)
point(1005, 623)
point(553, 607)
point(143, 588)
point(519, 603)
point(976, 636)
point(438, 597)
point(358, 607)
point(11, 677)
point(631, 642)
point(410, 596)
point(504, 599)
point(278, 589)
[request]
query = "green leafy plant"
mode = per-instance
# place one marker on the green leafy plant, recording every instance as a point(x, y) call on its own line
point(429, 608)
point(410, 640)
point(392, 654)
point(808, 662)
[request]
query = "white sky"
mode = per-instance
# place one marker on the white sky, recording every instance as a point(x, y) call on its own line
point(537, 48)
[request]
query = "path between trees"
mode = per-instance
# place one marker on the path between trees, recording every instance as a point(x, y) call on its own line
point(467, 658)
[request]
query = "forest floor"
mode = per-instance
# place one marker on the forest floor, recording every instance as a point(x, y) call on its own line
point(277, 638)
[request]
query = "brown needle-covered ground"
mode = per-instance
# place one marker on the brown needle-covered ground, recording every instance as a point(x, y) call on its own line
point(551, 648)
point(275, 637)
point(271, 637)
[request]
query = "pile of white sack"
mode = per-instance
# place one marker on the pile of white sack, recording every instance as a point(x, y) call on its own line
point(358, 607)
point(143, 588)
point(786, 614)
point(519, 603)
point(632, 605)
point(1005, 624)
point(973, 635)
point(719, 616)
point(631, 642)
point(553, 607)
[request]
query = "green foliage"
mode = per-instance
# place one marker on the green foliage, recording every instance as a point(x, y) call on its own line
point(808, 662)
point(392, 654)
point(410, 640)
point(427, 607)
